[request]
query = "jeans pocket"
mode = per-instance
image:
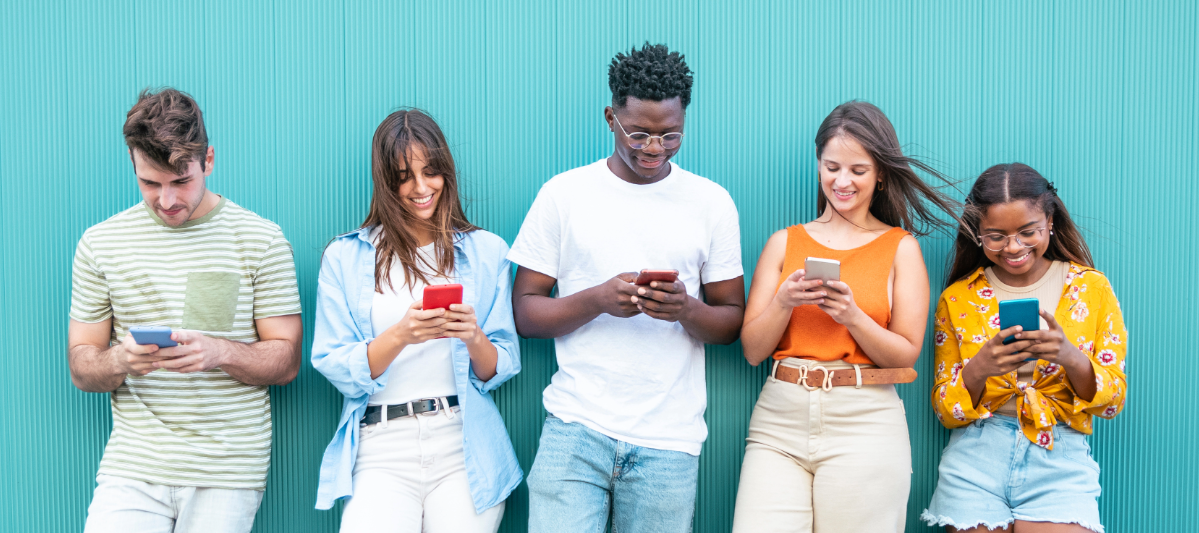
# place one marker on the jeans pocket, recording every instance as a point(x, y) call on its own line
point(965, 432)
point(210, 301)
point(1075, 447)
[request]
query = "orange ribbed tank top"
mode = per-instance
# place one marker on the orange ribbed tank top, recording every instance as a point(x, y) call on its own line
point(812, 334)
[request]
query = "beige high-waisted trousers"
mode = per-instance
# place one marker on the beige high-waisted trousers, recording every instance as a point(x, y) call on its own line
point(825, 461)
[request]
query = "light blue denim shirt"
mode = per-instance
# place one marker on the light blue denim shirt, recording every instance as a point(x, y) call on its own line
point(343, 330)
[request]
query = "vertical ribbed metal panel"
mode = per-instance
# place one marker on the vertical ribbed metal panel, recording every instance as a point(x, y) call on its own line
point(1100, 97)
point(317, 197)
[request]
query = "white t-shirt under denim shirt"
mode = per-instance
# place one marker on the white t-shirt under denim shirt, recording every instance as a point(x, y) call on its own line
point(423, 370)
point(638, 380)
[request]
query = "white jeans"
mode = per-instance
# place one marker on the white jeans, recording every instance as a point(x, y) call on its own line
point(123, 505)
point(410, 476)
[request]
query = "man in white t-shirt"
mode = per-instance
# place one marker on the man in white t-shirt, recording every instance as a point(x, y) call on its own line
point(627, 403)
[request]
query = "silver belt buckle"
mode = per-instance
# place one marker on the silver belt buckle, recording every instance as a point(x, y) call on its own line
point(437, 407)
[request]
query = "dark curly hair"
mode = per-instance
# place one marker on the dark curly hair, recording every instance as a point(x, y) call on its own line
point(651, 73)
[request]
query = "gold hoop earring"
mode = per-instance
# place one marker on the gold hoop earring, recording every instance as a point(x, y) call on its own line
point(880, 185)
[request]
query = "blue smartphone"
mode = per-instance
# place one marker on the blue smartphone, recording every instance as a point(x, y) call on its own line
point(157, 335)
point(1024, 312)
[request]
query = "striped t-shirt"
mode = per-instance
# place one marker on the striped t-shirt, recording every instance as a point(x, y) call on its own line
point(215, 274)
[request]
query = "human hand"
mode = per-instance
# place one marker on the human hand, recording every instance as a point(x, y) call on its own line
point(796, 291)
point(417, 326)
point(996, 358)
point(136, 359)
point(662, 300)
point(839, 303)
point(461, 323)
point(616, 296)
point(1050, 344)
point(196, 352)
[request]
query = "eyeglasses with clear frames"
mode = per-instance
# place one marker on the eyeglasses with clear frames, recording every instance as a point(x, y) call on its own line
point(639, 140)
point(996, 242)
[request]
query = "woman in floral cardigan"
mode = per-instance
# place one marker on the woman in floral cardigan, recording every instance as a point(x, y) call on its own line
point(1030, 467)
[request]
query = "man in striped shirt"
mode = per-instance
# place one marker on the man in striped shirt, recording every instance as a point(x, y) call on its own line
point(191, 438)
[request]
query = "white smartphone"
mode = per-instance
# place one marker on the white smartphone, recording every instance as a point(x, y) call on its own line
point(822, 269)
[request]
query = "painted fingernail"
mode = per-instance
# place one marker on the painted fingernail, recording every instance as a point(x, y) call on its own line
point(640, 291)
point(634, 298)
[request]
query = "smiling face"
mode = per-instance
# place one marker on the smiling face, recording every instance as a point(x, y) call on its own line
point(175, 198)
point(1019, 266)
point(421, 187)
point(651, 163)
point(848, 175)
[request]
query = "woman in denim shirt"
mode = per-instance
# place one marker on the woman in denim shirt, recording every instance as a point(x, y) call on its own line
point(420, 445)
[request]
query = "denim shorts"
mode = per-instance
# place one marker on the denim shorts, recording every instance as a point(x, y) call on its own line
point(992, 475)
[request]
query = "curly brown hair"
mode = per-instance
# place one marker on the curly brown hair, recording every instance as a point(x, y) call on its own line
point(168, 129)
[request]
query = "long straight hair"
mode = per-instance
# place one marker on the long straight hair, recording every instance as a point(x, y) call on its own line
point(905, 201)
point(395, 140)
point(1014, 182)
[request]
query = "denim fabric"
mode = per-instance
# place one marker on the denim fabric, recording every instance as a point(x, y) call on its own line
point(992, 475)
point(343, 330)
point(580, 473)
point(123, 505)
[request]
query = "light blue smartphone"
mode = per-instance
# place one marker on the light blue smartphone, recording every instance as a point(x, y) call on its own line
point(157, 335)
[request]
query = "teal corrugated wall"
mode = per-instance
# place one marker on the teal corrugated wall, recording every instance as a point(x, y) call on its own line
point(1101, 97)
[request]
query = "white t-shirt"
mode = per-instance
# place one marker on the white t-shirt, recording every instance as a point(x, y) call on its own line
point(424, 370)
point(638, 380)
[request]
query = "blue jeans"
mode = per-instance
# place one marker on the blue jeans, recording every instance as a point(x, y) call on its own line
point(579, 473)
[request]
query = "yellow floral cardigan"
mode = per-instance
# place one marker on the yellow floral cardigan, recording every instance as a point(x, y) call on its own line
point(968, 315)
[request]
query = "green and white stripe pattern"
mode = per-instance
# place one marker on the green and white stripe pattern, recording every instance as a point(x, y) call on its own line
point(215, 274)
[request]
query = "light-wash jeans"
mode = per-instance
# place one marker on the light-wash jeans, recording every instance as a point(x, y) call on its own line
point(410, 476)
point(123, 505)
point(580, 473)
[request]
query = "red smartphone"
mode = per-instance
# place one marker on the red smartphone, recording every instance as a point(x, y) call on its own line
point(441, 296)
point(648, 275)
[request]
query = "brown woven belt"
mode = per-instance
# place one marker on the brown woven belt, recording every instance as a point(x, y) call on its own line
point(817, 377)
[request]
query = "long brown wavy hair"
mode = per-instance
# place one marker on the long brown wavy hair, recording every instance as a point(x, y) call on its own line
point(394, 141)
point(906, 201)
point(1014, 182)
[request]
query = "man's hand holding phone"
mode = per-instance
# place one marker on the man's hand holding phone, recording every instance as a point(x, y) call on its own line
point(663, 300)
point(137, 359)
point(196, 352)
point(615, 296)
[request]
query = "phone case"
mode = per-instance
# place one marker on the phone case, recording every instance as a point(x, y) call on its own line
point(156, 335)
point(822, 269)
point(1024, 312)
point(648, 275)
point(441, 296)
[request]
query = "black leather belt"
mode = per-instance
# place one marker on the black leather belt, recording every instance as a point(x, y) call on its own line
point(430, 405)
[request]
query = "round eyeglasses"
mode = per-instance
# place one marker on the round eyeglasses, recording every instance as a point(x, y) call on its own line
point(996, 242)
point(640, 140)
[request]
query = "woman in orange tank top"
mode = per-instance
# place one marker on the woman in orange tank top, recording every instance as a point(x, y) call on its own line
point(828, 442)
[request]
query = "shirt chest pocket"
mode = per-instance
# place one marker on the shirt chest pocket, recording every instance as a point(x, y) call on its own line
point(210, 301)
